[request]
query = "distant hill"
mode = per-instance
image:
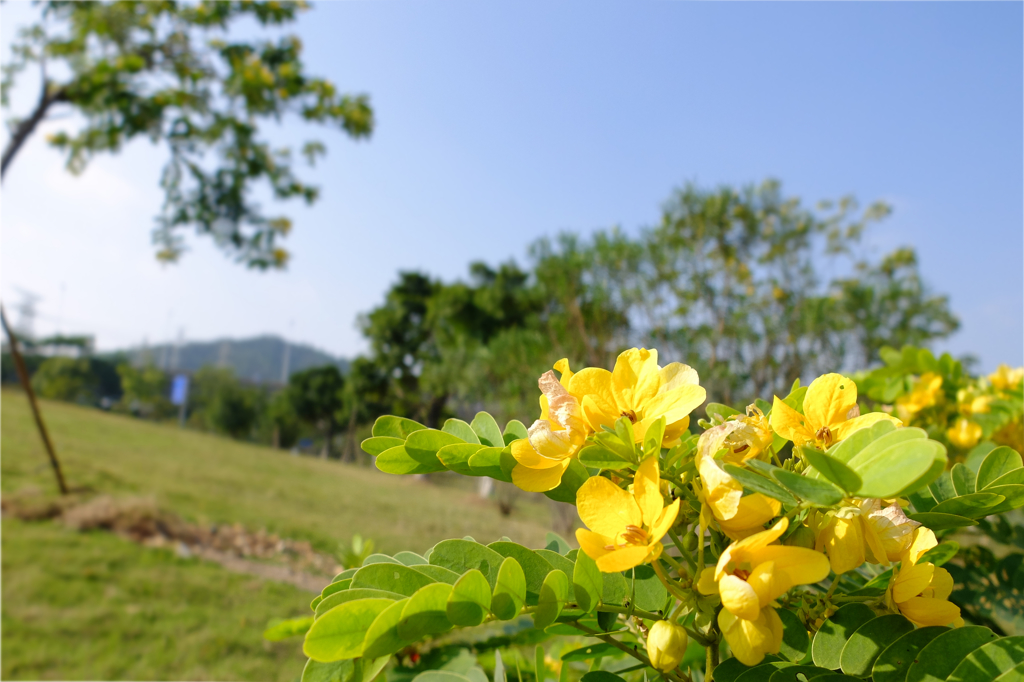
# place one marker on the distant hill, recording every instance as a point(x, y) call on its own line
point(258, 359)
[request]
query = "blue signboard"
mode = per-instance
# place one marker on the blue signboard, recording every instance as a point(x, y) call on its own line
point(179, 389)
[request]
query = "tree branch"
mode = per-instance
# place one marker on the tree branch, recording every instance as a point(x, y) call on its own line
point(47, 97)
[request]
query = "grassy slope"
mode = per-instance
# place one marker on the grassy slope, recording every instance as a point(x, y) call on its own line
point(210, 479)
point(94, 606)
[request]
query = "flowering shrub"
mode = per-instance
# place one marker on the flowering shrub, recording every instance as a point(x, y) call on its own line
point(797, 537)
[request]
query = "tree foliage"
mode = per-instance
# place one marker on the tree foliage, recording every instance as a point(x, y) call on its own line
point(169, 72)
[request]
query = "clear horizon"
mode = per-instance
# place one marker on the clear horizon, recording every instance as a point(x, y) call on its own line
point(502, 123)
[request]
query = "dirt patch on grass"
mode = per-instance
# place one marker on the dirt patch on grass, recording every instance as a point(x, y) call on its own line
point(259, 553)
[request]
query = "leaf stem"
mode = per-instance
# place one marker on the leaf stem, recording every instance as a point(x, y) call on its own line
point(634, 652)
point(679, 545)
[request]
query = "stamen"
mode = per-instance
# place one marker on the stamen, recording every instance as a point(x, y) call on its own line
point(629, 414)
point(824, 434)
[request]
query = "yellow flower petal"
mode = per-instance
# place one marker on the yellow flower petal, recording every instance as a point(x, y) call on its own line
point(925, 611)
point(922, 540)
point(750, 640)
point(623, 559)
point(942, 583)
point(635, 378)
point(790, 424)
point(647, 491)
point(748, 547)
point(547, 442)
point(674, 432)
point(753, 511)
point(739, 597)
point(661, 525)
point(562, 367)
point(539, 480)
point(841, 431)
point(673, 405)
point(524, 453)
point(707, 583)
point(912, 581)
point(676, 374)
point(763, 581)
point(844, 542)
point(828, 400)
point(722, 492)
point(593, 544)
point(597, 384)
point(605, 507)
point(793, 566)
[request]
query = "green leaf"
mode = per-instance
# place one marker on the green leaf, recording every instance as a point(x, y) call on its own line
point(437, 573)
point(1013, 494)
point(601, 676)
point(440, 676)
point(510, 592)
point(998, 462)
point(962, 478)
point(514, 430)
point(338, 671)
point(557, 561)
point(800, 673)
point(284, 629)
point(554, 593)
point(615, 589)
point(391, 577)
point(942, 488)
point(938, 521)
point(978, 454)
point(973, 506)
point(461, 430)
point(719, 410)
point(650, 593)
point(898, 467)
point(818, 492)
point(461, 556)
point(940, 657)
point(868, 641)
point(587, 653)
point(456, 457)
point(409, 559)
point(422, 446)
point(375, 446)
point(540, 670)
point(535, 568)
point(763, 671)
point(1015, 477)
point(895, 660)
point(922, 500)
point(398, 461)
point(759, 484)
point(626, 435)
point(339, 598)
point(574, 477)
point(599, 457)
point(874, 587)
point(507, 462)
point(339, 633)
point(941, 553)
point(795, 639)
point(316, 601)
point(487, 462)
point(335, 587)
point(832, 469)
point(377, 558)
point(382, 636)
point(395, 427)
point(990, 660)
point(845, 449)
point(872, 453)
point(653, 437)
point(487, 430)
point(587, 583)
point(556, 543)
point(828, 643)
point(470, 600)
point(426, 613)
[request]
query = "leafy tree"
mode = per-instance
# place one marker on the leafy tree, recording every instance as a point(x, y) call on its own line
point(316, 395)
point(144, 391)
point(281, 421)
point(235, 410)
point(70, 379)
point(166, 70)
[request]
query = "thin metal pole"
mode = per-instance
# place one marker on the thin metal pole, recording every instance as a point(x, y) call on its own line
point(19, 365)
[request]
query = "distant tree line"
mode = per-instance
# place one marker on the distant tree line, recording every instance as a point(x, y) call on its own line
point(745, 285)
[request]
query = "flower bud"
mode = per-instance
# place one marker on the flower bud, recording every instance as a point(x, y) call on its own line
point(666, 645)
point(801, 537)
point(689, 542)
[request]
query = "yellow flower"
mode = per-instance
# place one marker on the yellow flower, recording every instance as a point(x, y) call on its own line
point(964, 434)
point(925, 394)
point(554, 439)
point(830, 413)
point(751, 574)
point(722, 498)
point(625, 528)
point(1005, 378)
point(852, 535)
point(744, 437)
point(639, 389)
point(920, 592)
point(751, 640)
point(666, 645)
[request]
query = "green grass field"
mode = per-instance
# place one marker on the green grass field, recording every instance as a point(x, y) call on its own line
point(95, 606)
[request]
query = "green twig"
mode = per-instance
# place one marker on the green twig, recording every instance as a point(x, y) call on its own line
point(679, 545)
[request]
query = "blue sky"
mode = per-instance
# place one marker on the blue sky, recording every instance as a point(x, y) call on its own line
point(502, 122)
